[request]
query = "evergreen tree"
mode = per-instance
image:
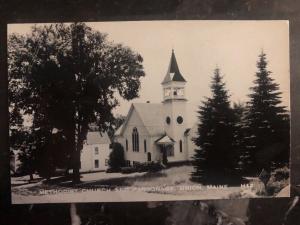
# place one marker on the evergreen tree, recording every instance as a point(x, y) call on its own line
point(215, 159)
point(267, 122)
point(239, 142)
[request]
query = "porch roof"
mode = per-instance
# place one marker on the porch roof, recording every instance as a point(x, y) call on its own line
point(164, 140)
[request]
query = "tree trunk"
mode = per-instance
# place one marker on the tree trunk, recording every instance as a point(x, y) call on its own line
point(76, 168)
point(74, 165)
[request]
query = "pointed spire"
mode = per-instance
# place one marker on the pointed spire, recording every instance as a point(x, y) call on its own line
point(173, 73)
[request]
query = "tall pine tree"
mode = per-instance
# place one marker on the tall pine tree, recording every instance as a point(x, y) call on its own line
point(215, 160)
point(239, 142)
point(267, 122)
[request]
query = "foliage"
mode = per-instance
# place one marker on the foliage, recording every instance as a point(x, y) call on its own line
point(116, 157)
point(66, 77)
point(267, 122)
point(279, 179)
point(148, 167)
point(115, 124)
point(143, 167)
point(215, 156)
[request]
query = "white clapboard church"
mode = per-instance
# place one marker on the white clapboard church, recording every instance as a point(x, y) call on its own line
point(154, 131)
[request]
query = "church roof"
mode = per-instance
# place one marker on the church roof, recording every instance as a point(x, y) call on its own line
point(119, 130)
point(151, 115)
point(96, 137)
point(173, 73)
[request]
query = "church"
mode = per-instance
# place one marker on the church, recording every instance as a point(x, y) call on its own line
point(159, 132)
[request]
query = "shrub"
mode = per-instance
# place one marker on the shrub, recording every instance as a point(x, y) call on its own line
point(281, 173)
point(128, 170)
point(148, 167)
point(113, 170)
point(279, 179)
point(143, 167)
point(116, 157)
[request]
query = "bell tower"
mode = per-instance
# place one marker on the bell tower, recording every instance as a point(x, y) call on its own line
point(174, 106)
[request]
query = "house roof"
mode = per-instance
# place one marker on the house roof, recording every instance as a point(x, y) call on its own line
point(173, 73)
point(96, 137)
point(150, 114)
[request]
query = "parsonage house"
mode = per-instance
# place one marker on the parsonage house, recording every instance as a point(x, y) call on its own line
point(155, 131)
point(95, 152)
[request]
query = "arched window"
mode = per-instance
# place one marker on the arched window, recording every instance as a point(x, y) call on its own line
point(126, 145)
point(145, 146)
point(180, 145)
point(135, 140)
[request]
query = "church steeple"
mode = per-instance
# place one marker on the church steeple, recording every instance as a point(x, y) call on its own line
point(173, 73)
point(174, 107)
point(173, 83)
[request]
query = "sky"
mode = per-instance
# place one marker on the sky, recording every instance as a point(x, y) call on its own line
point(199, 47)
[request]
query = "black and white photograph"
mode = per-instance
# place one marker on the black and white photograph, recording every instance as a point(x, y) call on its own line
point(149, 110)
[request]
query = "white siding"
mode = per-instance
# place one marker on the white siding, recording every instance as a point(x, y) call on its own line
point(190, 143)
point(88, 157)
point(175, 129)
point(135, 121)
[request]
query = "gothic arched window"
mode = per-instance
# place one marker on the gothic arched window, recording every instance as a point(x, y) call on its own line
point(135, 140)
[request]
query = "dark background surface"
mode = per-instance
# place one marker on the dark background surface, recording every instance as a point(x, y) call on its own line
point(20, 11)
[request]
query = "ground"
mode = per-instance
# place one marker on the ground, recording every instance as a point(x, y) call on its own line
point(169, 184)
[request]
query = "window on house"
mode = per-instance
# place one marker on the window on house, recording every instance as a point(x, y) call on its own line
point(135, 140)
point(96, 163)
point(96, 151)
point(145, 146)
point(106, 162)
point(180, 145)
point(126, 145)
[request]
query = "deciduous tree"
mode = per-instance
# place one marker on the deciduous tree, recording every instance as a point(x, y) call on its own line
point(69, 75)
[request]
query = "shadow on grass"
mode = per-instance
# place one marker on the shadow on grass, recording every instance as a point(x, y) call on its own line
point(123, 181)
point(109, 182)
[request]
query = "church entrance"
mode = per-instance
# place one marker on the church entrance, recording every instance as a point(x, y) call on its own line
point(149, 156)
point(166, 145)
